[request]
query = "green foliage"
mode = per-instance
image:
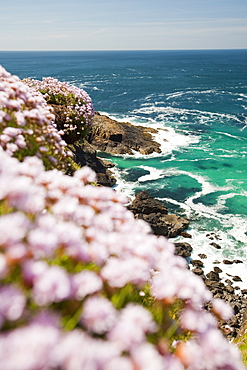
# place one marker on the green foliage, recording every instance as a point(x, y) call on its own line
point(241, 342)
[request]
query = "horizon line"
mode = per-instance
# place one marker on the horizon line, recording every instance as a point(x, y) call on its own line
point(112, 50)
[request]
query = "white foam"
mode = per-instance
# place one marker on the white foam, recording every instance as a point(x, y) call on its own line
point(238, 229)
point(154, 174)
point(177, 94)
point(171, 140)
point(200, 243)
point(232, 136)
point(243, 96)
point(169, 113)
point(123, 186)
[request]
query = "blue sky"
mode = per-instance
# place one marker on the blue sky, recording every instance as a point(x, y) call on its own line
point(122, 24)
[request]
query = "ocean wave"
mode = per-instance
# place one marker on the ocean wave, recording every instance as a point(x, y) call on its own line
point(232, 136)
point(230, 229)
point(205, 219)
point(179, 115)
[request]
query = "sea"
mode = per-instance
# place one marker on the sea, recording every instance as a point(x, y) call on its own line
point(197, 101)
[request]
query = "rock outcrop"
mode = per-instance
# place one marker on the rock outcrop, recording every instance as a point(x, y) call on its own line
point(183, 249)
point(114, 137)
point(85, 155)
point(156, 215)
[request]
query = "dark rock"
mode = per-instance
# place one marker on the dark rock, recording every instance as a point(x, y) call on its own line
point(229, 282)
point(215, 245)
point(167, 225)
point(217, 270)
point(155, 214)
point(197, 263)
point(183, 249)
point(198, 271)
point(237, 261)
point(145, 204)
point(186, 235)
point(216, 262)
point(213, 276)
point(85, 155)
point(236, 278)
point(227, 262)
point(216, 287)
point(213, 236)
point(235, 307)
point(202, 255)
point(244, 291)
point(114, 137)
point(229, 289)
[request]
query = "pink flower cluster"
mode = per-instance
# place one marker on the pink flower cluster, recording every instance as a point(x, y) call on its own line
point(79, 108)
point(86, 286)
point(73, 257)
point(26, 126)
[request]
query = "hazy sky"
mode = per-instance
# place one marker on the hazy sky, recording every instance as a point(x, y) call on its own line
point(122, 24)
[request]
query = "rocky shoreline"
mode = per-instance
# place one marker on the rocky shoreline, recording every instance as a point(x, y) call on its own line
point(112, 137)
point(123, 138)
point(115, 137)
point(156, 214)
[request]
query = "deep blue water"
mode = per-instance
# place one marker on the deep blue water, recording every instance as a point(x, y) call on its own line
point(200, 98)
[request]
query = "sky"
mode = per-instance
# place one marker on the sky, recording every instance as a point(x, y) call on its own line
point(122, 24)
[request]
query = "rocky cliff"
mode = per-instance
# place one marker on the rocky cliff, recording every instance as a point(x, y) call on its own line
point(115, 137)
point(86, 155)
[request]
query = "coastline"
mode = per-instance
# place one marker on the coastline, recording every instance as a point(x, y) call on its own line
point(123, 138)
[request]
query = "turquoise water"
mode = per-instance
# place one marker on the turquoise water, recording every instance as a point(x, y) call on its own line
point(197, 100)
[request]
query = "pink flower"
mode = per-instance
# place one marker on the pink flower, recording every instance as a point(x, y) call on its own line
point(197, 321)
point(132, 325)
point(73, 351)
point(52, 285)
point(119, 272)
point(3, 266)
point(85, 174)
point(31, 167)
point(29, 347)
point(211, 352)
point(99, 314)
point(12, 303)
point(222, 309)
point(32, 269)
point(119, 363)
point(42, 242)
point(77, 351)
point(24, 195)
point(84, 283)
point(146, 357)
point(13, 228)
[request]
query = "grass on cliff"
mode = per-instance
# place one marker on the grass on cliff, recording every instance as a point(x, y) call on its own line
point(241, 342)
